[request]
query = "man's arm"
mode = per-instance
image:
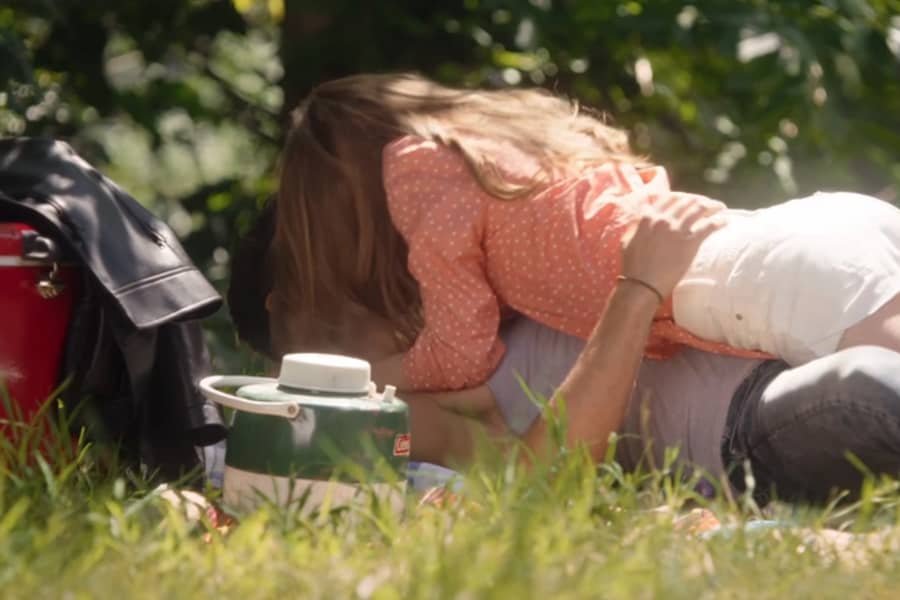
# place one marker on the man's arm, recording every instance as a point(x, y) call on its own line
point(598, 387)
point(446, 425)
point(655, 257)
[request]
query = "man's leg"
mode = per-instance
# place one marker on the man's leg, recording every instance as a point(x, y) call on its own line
point(797, 426)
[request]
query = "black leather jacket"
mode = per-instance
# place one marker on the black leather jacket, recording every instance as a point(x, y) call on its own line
point(134, 348)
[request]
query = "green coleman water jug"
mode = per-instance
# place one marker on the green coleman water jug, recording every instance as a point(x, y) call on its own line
point(313, 435)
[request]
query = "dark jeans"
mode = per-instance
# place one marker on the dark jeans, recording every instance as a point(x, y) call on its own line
point(797, 426)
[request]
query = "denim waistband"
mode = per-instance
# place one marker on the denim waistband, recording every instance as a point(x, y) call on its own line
point(734, 447)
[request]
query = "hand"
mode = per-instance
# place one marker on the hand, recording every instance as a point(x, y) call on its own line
point(666, 237)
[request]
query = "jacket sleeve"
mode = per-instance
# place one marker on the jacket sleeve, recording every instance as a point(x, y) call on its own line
point(439, 209)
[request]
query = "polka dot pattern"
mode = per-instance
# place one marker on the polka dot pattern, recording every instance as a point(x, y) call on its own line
point(553, 256)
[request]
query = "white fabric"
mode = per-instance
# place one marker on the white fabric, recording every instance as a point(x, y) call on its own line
point(790, 279)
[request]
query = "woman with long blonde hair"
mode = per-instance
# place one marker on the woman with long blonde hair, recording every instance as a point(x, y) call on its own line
point(442, 210)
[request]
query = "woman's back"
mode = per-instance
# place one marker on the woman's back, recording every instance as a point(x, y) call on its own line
point(553, 254)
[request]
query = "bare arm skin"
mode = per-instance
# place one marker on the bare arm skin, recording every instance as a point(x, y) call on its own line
point(597, 390)
point(445, 426)
point(598, 387)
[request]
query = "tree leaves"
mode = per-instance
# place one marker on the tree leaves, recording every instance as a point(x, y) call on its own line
point(750, 101)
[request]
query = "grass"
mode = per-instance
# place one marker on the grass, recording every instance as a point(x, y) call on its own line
point(71, 527)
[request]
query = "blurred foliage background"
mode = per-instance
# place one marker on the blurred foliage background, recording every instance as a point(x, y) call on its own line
point(182, 101)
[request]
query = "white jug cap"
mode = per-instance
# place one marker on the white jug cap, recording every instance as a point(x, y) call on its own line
point(330, 373)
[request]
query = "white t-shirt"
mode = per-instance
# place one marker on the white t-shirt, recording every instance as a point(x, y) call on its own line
point(790, 279)
point(677, 403)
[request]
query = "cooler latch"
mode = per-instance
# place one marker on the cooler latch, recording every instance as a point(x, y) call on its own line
point(39, 248)
point(49, 285)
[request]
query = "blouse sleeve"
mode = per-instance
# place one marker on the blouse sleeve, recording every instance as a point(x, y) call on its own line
point(439, 209)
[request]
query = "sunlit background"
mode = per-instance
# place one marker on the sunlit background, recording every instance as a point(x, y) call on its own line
point(181, 101)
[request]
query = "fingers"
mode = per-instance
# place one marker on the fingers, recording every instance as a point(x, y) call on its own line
point(688, 214)
point(665, 238)
point(705, 226)
point(665, 204)
point(685, 205)
point(688, 210)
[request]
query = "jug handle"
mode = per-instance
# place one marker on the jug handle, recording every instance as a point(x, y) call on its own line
point(288, 410)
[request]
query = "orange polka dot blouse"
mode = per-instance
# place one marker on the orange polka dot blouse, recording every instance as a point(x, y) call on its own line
point(552, 256)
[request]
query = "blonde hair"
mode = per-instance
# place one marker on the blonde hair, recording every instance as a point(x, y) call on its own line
point(335, 244)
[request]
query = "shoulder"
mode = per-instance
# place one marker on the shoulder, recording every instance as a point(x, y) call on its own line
point(415, 155)
point(428, 186)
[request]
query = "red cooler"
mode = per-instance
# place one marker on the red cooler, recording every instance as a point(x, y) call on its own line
point(37, 294)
